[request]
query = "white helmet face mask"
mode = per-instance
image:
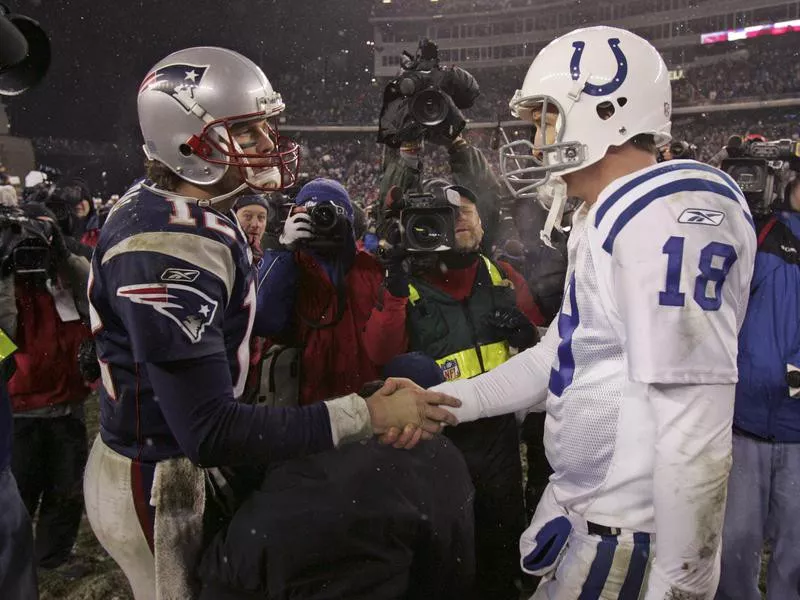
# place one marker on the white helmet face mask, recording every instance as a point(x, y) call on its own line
point(202, 111)
point(586, 91)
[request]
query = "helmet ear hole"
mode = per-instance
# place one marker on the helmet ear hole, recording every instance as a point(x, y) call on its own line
point(185, 150)
point(605, 110)
point(622, 101)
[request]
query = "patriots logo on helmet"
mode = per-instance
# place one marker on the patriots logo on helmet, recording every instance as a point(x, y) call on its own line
point(188, 307)
point(177, 81)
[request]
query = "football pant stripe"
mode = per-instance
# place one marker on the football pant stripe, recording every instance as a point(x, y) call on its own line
point(601, 567)
point(637, 567)
point(211, 255)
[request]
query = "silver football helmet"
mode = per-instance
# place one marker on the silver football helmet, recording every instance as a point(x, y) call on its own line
point(190, 105)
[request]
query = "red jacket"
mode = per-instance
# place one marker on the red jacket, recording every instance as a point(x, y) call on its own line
point(335, 361)
point(385, 335)
point(47, 359)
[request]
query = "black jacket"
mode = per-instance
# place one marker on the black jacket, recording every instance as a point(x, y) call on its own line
point(362, 522)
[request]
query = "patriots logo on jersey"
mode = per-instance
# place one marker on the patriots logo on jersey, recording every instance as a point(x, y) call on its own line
point(186, 306)
point(178, 81)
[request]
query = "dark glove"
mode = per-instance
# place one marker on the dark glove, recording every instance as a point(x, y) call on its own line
point(515, 327)
point(396, 277)
point(88, 365)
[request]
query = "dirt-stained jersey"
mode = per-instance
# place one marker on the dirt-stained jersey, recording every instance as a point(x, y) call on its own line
point(170, 281)
point(660, 270)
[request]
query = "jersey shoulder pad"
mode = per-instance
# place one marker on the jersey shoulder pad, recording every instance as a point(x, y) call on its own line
point(678, 192)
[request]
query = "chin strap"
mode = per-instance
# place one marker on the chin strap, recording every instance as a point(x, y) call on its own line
point(556, 213)
point(211, 202)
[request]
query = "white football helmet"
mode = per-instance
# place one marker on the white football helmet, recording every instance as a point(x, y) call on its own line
point(601, 86)
point(190, 102)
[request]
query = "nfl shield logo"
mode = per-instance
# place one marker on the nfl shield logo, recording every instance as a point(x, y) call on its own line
point(450, 370)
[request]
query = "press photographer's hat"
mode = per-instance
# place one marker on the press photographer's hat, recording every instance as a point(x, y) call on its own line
point(325, 190)
point(251, 200)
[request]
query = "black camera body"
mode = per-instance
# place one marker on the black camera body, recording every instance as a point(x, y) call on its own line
point(330, 225)
point(683, 149)
point(426, 96)
point(428, 222)
point(761, 170)
point(25, 244)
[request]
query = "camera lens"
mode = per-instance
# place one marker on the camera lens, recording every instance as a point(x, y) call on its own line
point(426, 232)
point(429, 107)
point(323, 217)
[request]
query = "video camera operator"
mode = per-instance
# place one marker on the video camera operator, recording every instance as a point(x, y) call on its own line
point(47, 389)
point(763, 502)
point(66, 203)
point(464, 310)
point(424, 103)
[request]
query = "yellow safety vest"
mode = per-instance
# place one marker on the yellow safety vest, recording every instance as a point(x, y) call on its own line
point(466, 363)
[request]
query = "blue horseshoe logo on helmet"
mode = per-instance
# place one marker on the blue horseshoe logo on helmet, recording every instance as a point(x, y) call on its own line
point(607, 88)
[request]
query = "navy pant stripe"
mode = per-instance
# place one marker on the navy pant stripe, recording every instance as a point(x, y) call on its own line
point(601, 567)
point(637, 568)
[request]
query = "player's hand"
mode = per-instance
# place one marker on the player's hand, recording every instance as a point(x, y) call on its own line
point(403, 413)
point(297, 227)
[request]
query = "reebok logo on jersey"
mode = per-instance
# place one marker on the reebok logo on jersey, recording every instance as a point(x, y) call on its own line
point(186, 306)
point(702, 216)
point(180, 275)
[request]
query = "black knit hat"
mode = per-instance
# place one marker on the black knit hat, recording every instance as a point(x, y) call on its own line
point(250, 200)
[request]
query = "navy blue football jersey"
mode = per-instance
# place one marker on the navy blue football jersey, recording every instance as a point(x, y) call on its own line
point(170, 281)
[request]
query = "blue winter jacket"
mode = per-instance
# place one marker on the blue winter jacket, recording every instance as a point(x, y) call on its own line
point(770, 338)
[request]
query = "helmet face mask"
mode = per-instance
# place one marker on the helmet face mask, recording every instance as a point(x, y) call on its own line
point(220, 143)
point(527, 164)
point(617, 89)
point(206, 110)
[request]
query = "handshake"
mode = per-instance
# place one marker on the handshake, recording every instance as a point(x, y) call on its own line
point(402, 413)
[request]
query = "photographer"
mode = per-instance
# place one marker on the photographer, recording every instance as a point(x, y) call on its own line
point(64, 203)
point(85, 220)
point(47, 389)
point(763, 502)
point(317, 293)
point(465, 311)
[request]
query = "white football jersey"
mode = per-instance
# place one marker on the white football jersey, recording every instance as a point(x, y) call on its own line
point(656, 292)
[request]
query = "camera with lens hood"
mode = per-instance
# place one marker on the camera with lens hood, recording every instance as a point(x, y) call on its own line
point(425, 98)
point(761, 169)
point(427, 221)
